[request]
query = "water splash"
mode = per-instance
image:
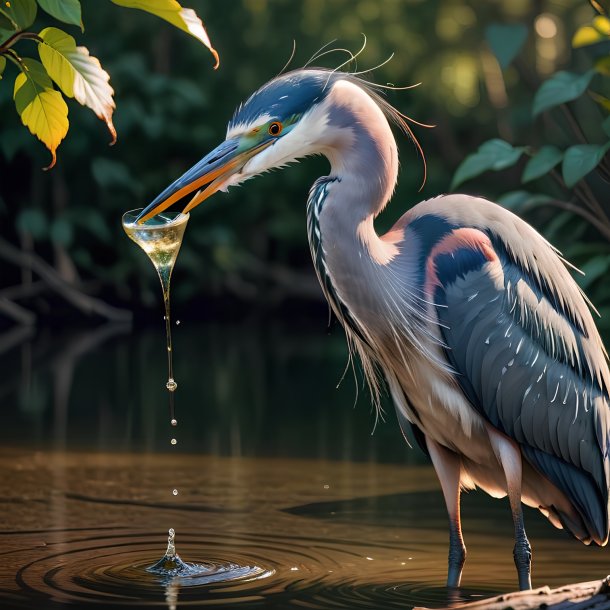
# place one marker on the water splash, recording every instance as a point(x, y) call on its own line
point(171, 565)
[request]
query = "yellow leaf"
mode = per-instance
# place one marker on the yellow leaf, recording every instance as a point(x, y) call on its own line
point(602, 24)
point(183, 18)
point(78, 74)
point(55, 44)
point(42, 108)
point(585, 36)
point(2, 65)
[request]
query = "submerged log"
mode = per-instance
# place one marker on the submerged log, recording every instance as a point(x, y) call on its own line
point(593, 595)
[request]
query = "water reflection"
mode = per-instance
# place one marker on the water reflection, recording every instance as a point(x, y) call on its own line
point(244, 390)
point(288, 500)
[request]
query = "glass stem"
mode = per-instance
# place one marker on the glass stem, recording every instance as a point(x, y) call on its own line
point(168, 335)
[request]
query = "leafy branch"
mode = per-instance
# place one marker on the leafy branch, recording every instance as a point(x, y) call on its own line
point(65, 69)
point(571, 166)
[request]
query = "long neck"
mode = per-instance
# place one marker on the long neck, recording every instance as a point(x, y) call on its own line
point(347, 251)
point(362, 151)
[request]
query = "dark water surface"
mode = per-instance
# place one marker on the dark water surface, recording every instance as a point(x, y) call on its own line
point(285, 499)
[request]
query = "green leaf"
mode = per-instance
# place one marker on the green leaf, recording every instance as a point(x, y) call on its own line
point(541, 163)
point(602, 65)
point(506, 41)
point(603, 101)
point(61, 232)
point(560, 88)
point(21, 12)
point(42, 109)
point(68, 11)
point(2, 64)
point(522, 200)
point(606, 126)
point(581, 159)
point(593, 269)
point(183, 18)
point(7, 25)
point(5, 34)
point(494, 154)
point(109, 174)
point(32, 222)
point(77, 74)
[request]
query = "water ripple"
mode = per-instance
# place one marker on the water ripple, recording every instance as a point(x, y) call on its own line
point(252, 570)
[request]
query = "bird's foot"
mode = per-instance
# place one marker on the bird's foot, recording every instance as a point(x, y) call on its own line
point(523, 562)
point(456, 560)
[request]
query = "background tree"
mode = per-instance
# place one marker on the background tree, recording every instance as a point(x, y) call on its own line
point(251, 244)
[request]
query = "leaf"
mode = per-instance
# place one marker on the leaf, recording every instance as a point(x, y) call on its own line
point(506, 41)
point(183, 18)
point(581, 159)
point(522, 200)
point(77, 74)
point(593, 269)
point(606, 126)
point(21, 12)
point(602, 65)
point(603, 101)
point(541, 163)
point(109, 174)
point(602, 24)
point(585, 36)
point(2, 65)
point(5, 34)
point(494, 154)
point(61, 232)
point(42, 109)
point(560, 88)
point(68, 11)
point(6, 24)
point(32, 222)
point(598, 31)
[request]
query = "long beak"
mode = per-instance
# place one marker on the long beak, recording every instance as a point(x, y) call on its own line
point(215, 170)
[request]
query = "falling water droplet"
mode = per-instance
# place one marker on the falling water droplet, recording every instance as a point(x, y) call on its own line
point(174, 422)
point(177, 322)
point(171, 547)
point(171, 385)
point(173, 441)
point(175, 492)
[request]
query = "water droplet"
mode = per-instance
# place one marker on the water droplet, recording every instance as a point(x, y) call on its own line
point(171, 549)
point(175, 492)
point(294, 569)
point(174, 422)
point(171, 385)
point(173, 441)
point(326, 486)
point(177, 322)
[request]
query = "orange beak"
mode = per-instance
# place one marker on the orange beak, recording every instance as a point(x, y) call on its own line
point(215, 170)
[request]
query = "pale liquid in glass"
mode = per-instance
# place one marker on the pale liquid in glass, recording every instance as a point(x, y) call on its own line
point(161, 237)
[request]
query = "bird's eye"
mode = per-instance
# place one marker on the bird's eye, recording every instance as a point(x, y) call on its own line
point(275, 129)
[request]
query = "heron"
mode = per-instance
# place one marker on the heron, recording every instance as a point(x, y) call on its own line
point(485, 342)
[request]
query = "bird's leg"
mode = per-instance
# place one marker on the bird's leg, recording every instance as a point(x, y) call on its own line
point(509, 456)
point(448, 469)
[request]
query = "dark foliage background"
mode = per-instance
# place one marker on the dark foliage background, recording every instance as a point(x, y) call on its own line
point(250, 245)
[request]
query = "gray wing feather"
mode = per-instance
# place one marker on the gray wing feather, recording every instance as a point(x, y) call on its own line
point(500, 349)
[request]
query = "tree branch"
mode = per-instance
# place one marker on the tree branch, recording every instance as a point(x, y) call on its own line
point(87, 304)
point(17, 313)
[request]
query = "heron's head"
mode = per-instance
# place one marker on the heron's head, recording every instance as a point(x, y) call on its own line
point(288, 118)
